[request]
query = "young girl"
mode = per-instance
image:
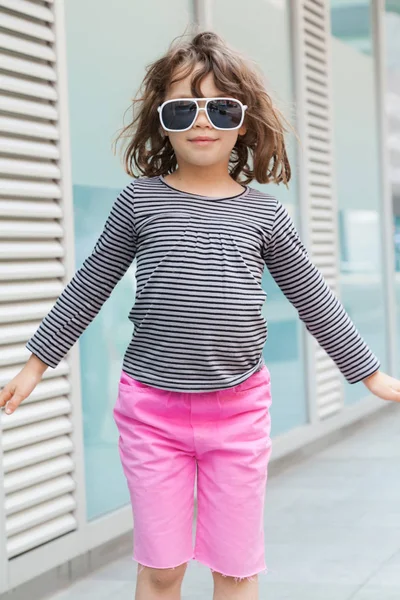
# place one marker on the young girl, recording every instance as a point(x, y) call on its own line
point(194, 393)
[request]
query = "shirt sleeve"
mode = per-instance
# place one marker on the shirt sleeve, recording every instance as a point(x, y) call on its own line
point(318, 307)
point(92, 284)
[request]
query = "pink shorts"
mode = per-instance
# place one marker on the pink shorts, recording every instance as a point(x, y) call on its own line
point(165, 437)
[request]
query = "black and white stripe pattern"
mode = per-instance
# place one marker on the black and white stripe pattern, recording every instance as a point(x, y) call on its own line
point(197, 317)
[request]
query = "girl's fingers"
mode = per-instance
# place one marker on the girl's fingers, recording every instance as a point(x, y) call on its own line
point(13, 403)
point(385, 387)
point(5, 396)
point(394, 388)
point(390, 394)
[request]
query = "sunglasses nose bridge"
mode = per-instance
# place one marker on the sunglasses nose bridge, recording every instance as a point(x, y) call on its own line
point(202, 111)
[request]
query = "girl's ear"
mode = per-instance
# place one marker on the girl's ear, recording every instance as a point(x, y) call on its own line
point(242, 130)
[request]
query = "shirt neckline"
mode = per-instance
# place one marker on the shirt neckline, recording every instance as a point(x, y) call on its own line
point(212, 198)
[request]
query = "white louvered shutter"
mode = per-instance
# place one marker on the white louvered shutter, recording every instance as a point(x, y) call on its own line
point(314, 44)
point(36, 446)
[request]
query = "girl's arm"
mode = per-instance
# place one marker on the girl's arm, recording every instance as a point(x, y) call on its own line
point(322, 313)
point(92, 284)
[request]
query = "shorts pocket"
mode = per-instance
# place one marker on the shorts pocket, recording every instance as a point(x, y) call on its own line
point(130, 392)
point(129, 383)
point(256, 380)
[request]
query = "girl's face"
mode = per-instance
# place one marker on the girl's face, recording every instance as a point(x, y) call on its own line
point(219, 149)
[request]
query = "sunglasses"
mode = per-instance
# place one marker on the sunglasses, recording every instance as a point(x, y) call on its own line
point(181, 113)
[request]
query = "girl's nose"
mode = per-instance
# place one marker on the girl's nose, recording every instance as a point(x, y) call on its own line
point(202, 120)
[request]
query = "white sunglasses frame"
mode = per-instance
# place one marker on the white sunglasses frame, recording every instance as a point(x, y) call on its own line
point(207, 100)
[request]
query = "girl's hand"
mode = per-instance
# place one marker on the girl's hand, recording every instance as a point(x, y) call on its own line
point(22, 385)
point(383, 386)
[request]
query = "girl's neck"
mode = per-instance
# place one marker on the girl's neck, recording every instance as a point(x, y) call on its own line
point(204, 182)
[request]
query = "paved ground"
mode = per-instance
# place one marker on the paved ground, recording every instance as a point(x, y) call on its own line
point(332, 528)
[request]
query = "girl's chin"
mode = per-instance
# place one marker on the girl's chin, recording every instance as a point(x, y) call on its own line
point(200, 163)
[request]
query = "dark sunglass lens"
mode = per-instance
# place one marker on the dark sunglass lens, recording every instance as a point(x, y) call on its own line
point(225, 113)
point(179, 114)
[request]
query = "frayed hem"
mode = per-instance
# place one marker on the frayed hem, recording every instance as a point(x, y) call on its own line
point(250, 578)
point(142, 567)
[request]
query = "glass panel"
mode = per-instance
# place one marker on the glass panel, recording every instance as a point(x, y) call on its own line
point(392, 29)
point(351, 23)
point(259, 39)
point(357, 176)
point(103, 76)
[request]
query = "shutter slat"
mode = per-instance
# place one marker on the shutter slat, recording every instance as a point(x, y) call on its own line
point(329, 405)
point(312, 41)
point(20, 147)
point(25, 168)
point(323, 259)
point(20, 332)
point(23, 87)
point(317, 81)
point(39, 514)
point(28, 108)
point(319, 191)
point(24, 478)
point(9, 313)
point(318, 125)
point(321, 249)
point(325, 375)
point(29, 455)
point(30, 229)
point(323, 240)
point(321, 203)
point(19, 250)
point(321, 169)
point(26, 209)
point(313, 111)
point(316, 100)
point(316, 33)
point(28, 128)
point(33, 189)
point(17, 354)
point(21, 66)
point(31, 270)
point(314, 65)
point(25, 290)
point(41, 32)
point(315, 19)
point(321, 180)
point(40, 535)
point(314, 8)
point(40, 493)
point(321, 213)
point(32, 434)
point(322, 221)
point(31, 412)
point(325, 390)
point(29, 9)
point(14, 355)
point(32, 49)
point(314, 53)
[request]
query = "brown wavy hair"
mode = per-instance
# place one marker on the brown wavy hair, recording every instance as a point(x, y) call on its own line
point(259, 154)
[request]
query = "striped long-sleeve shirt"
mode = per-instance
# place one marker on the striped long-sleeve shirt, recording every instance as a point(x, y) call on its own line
point(197, 315)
